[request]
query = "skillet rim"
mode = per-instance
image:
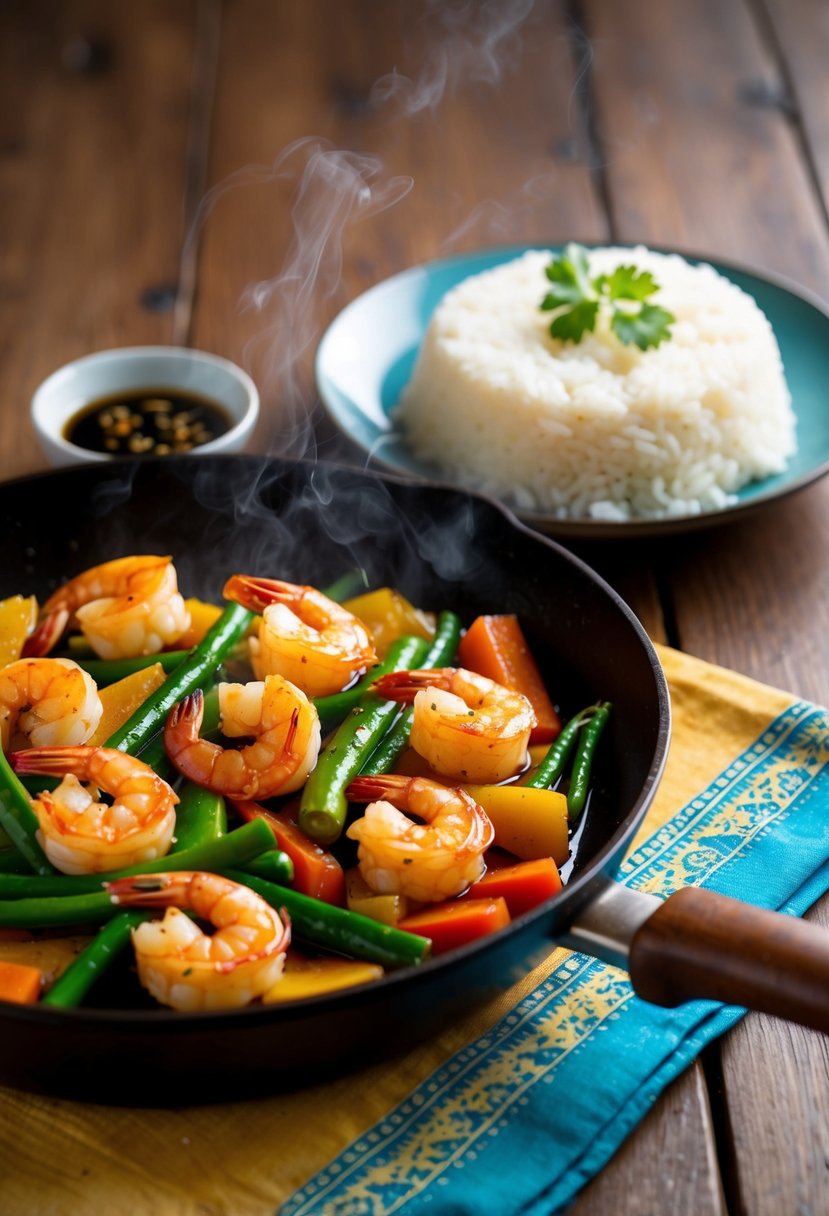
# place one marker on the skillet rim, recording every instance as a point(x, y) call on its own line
point(575, 893)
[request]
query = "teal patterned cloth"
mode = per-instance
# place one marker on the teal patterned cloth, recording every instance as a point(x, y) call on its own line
point(519, 1120)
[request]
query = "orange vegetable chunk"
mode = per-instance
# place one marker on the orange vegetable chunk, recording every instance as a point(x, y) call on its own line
point(19, 983)
point(495, 647)
point(316, 872)
point(523, 886)
point(457, 922)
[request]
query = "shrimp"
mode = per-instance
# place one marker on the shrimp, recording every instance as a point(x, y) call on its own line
point(186, 968)
point(286, 731)
point(304, 636)
point(127, 607)
point(47, 701)
point(81, 835)
point(464, 725)
point(428, 862)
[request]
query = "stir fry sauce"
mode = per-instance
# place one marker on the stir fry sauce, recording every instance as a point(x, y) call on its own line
point(427, 798)
point(147, 422)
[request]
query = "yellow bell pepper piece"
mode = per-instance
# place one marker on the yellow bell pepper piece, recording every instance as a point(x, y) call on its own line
point(315, 976)
point(18, 617)
point(388, 616)
point(388, 909)
point(121, 699)
point(202, 616)
point(530, 823)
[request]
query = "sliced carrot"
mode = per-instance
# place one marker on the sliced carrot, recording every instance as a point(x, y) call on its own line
point(19, 983)
point(316, 872)
point(524, 885)
point(458, 922)
point(495, 646)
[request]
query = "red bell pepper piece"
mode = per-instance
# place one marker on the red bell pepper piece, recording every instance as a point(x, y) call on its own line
point(316, 872)
point(495, 647)
point(457, 922)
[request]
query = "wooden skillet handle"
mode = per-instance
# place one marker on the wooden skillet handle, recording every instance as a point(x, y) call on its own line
point(702, 945)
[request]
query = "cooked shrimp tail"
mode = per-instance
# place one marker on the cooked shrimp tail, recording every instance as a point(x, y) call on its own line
point(46, 634)
point(186, 968)
point(304, 636)
point(429, 861)
point(79, 833)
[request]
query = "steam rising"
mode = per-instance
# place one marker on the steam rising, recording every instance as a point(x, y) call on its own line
point(469, 43)
point(462, 42)
point(304, 521)
point(335, 188)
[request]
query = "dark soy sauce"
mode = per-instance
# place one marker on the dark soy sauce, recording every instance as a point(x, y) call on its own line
point(147, 422)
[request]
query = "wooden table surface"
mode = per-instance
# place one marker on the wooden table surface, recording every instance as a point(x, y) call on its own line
point(231, 175)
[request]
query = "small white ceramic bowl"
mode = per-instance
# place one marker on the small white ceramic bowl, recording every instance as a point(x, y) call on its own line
point(96, 376)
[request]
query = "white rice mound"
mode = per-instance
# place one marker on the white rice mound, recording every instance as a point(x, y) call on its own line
point(598, 429)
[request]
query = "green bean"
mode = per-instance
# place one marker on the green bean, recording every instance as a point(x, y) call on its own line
point(555, 761)
point(323, 804)
point(235, 849)
point(337, 929)
point(583, 760)
point(108, 671)
point(18, 819)
point(201, 815)
point(58, 910)
point(198, 667)
point(271, 865)
point(334, 709)
point(71, 987)
point(441, 651)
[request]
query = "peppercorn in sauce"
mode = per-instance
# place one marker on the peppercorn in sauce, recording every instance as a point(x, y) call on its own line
point(147, 422)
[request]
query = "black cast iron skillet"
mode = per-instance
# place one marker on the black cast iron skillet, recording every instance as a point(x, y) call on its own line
point(443, 549)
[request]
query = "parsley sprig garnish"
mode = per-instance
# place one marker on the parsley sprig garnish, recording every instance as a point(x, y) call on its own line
point(576, 299)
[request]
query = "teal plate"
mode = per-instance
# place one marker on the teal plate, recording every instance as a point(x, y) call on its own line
point(368, 352)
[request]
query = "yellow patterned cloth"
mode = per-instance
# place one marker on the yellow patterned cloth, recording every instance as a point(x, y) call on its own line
point(246, 1159)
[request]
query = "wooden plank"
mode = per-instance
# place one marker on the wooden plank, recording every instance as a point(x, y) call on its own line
point(799, 31)
point(93, 134)
point(676, 86)
point(669, 1163)
point(690, 159)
